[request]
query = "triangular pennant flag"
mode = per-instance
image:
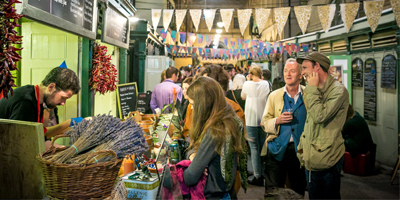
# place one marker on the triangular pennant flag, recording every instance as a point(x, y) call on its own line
point(373, 10)
point(182, 36)
point(233, 43)
point(179, 16)
point(163, 34)
point(244, 19)
point(200, 38)
point(200, 51)
point(281, 15)
point(293, 47)
point(194, 50)
point(254, 43)
point(178, 48)
point(262, 16)
point(190, 50)
point(155, 18)
point(225, 39)
point(326, 14)
point(246, 44)
point(226, 15)
point(240, 43)
point(220, 52)
point(196, 16)
point(191, 38)
point(209, 15)
point(173, 36)
point(305, 47)
point(209, 39)
point(167, 16)
point(303, 14)
point(287, 48)
point(261, 45)
point(348, 12)
point(396, 10)
point(184, 49)
point(298, 47)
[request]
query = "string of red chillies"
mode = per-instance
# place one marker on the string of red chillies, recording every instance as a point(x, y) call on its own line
point(103, 76)
point(8, 53)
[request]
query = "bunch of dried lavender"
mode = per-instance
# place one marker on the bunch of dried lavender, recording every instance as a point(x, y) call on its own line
point(77, 130)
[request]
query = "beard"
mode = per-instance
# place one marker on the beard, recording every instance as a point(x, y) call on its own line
point(46, 100)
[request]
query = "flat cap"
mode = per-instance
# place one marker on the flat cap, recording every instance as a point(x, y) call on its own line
point(316, 57)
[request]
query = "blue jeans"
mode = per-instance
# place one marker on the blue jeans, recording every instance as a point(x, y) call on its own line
point(325, 184)
point(256, 136)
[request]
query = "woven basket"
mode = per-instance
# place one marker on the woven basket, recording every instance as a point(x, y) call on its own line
point(73, 181)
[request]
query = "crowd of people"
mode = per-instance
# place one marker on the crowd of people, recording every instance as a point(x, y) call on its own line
point(294, 134)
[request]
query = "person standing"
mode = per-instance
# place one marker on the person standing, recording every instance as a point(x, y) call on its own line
point(321, 148)
point(163, 92)
point(255, 91)
point(232, 73)
point(284, 118)
point(236, 90)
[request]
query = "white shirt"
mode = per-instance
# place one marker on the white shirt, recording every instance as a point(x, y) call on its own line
point(256, 94)
point(230, 84)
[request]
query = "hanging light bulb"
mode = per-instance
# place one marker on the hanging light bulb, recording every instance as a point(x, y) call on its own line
point(220, 24)
point(219, 30)
point(217, 36)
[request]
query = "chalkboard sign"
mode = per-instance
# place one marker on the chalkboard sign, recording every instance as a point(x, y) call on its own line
point(143, 103)
point(115, 28)
point(75, 16)
point(370, 90)
point(388, 79)
point(357, 72)
point(127, 98)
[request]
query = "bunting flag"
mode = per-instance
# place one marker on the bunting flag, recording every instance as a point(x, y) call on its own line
point(196, 16)
point(373, 10)
point(233, 43)
point(261, 45)
point(209, 39)
point(182, 36)
point(226, 15)
point(155, 17)
point(191, 38)
point(246, 44)
point(163, 34)
point(194, 50)
point(209, 15)
point(262, 16)
point(240, 43)
point(225, 39)
point(303, 14)
point(167, 16)
point(280, 47)
point(200, 51)
point(254, 43)
point(305, 47)
point(326, 14)
point(348, 12)
point(244, 18)
point(173, 36)
point(220, 52)
point(200, 38)
point(179, 16)
point(281, 15)
point(396, 10)
point(293, 47)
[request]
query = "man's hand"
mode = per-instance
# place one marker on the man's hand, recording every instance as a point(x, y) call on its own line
point(248, 77)
point(284, 118)
point(313, 79)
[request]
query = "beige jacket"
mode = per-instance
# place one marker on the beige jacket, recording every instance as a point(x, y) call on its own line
point(273, 110)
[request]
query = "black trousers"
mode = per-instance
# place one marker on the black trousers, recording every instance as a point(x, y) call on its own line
point(275, 171)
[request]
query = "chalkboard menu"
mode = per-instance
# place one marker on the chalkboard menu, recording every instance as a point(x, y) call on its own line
point(58, 13)
point(357, 72)
point(127, 97)
point(370, 90)
point(115, 28)
point(388, 79)
point(143, 103)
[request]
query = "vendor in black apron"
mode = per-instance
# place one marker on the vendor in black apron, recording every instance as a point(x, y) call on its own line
point(29, 102)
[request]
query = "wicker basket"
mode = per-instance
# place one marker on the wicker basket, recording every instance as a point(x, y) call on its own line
point(73, 181)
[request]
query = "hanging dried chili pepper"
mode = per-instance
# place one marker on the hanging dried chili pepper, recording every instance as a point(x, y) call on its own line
point(8, 37)
point(103, 76)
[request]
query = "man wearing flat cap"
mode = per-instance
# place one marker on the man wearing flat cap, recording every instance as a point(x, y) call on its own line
point(321, 148)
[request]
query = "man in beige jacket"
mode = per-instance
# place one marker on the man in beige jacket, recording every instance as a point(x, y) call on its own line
point(321, 147)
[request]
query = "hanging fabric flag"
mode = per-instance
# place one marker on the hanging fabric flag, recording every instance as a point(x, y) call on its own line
point(262, 16)
point(191, 38)
point(280, 47)
point(167, 16)
point(209, 39)
point(281, 15)
point(200, 38)
point(155, 18)
point(194, 51)
point(275, 46)
point(303, 14)
point(220, 52)
point(182, 36)
point(184, 49)
point(293, 47)
point(260, 45)
point(326, 14)
point(396, 10)
point(225, 39)
point(173, 36)
point(163, 34)
point(179, 17)
point(209, 15)
point(200, 51)
point(305, 47)
point(240, 43)
point(189, 50)
point(244, 19)
point(254, 43)
point(373, 10)
point(246, 44)
point(348, 12)
point(178, 48)
point(226, 15)
point(287, 48)
point(196, 16)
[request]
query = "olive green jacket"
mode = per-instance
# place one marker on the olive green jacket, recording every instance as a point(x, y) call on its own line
point(321, 144)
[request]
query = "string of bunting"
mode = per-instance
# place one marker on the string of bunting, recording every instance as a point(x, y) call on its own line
point(326, 13)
